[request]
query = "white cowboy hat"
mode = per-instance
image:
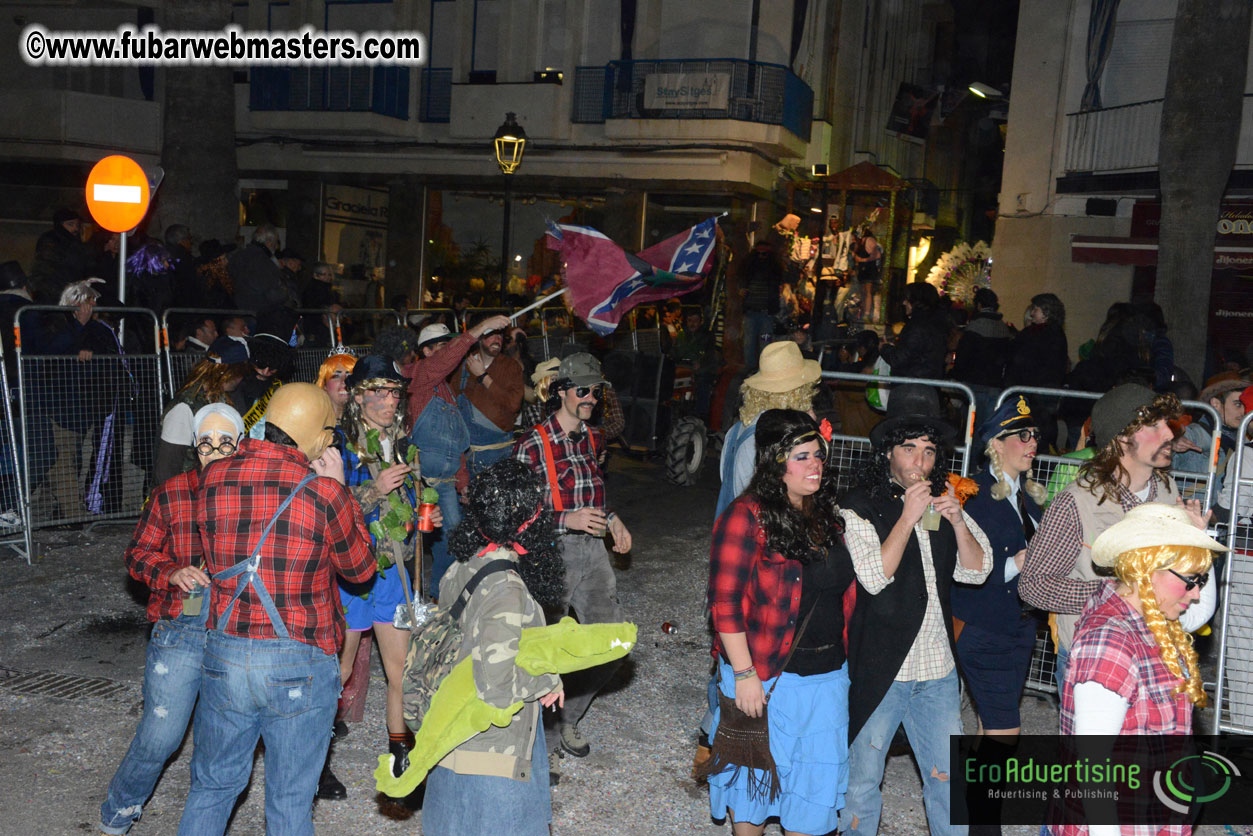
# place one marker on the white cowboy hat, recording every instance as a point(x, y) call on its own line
point(1147, 525)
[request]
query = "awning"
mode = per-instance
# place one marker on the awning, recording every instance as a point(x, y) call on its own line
point(1142, 252)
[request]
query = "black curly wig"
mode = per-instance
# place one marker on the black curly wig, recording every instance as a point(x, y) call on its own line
point(396, 342)
point(802, 534)
point(500, 501)
point(875, 474)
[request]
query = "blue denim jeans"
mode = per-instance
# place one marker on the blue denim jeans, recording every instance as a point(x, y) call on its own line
point(758, 327)
point(931, 712)
point(441, 558)
point(280, 690)
point(171, 683)
point(1059, 672)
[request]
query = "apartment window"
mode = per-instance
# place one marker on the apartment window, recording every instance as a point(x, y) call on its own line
point(600, 34)
point(441, 38)
point(484, 48)
point(552, 35)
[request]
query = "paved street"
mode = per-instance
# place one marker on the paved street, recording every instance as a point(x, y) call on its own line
point(74, 614)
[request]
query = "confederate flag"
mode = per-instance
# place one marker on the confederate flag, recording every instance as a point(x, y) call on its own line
point(606, 281)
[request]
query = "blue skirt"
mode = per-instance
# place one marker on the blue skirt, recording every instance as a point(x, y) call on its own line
point(809, 743)
point(484, 805)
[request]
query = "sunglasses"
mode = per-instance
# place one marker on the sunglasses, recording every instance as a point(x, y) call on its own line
point(1024, 436)
point(226, 448)
point(584, 391)
point(1191, 583)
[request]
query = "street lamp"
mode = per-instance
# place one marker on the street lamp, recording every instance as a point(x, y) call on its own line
point(510, 142)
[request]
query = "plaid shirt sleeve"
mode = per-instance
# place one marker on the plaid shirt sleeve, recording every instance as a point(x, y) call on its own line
point(164, 541)
point(613, 422)
point(1051, 554)
point(867, 552)
point(731, 556)
point(975, 576)
point(1105, 656)
point(764, 605)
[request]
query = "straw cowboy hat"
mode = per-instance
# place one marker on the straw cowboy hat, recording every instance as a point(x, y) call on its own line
point(782, 368)
point(545, 369)
point(1147, 525)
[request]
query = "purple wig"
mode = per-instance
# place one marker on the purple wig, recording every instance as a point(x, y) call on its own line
point(151, 259)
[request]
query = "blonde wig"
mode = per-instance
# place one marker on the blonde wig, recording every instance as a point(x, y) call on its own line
point(756, 401)
point(1135, 568)
point(1005, 488)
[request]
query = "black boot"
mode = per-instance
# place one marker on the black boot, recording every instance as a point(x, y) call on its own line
point(330, 788)
point(400, 757)
point(993, 750)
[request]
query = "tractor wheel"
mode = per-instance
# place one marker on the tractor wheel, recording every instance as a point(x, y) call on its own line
point(685, 451)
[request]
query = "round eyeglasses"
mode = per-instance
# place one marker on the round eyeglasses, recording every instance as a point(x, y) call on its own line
point(207, 448)
point(1025, 436)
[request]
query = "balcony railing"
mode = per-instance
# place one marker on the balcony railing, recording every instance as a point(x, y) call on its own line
point(381, 90)
point(1114, 138)
point(769, 94)
point(1127, 137)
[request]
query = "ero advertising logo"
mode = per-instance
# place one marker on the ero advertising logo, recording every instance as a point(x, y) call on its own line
point(1188, 780)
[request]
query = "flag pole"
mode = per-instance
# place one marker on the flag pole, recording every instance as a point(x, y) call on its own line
point(513, 317)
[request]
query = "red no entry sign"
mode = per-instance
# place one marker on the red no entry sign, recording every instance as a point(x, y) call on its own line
point(117, 193)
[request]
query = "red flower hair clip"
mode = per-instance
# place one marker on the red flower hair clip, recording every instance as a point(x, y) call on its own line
point(824, 430)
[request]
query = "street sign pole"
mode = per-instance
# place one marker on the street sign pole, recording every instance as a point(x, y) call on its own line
point(121, 267)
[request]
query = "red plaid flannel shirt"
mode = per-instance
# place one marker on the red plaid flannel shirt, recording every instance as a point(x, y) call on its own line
point(1114, 648)
point(580, 480)
point(165, 540)
point(762, 603)
point(320, 534)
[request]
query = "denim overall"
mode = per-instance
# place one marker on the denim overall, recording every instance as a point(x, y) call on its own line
point(492, 442)
point(441, 436)
point(171, 684)
point(281, 690)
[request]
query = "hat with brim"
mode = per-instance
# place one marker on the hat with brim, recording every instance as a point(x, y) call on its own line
point(782, 368)
point(434, 334)
point(1219, 388)
point(374, 367)
point(1010, 417)
point(1148, 525)
point(913, 407)
point(581, 369)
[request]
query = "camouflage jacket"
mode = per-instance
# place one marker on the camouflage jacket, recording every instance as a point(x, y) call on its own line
point(491, 625)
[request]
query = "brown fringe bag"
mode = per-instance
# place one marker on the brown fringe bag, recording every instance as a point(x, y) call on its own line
point(743, 742)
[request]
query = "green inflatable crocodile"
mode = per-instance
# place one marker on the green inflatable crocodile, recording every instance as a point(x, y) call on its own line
point(457, 714)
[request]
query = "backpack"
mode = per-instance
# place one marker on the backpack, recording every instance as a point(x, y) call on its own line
point(434, 649)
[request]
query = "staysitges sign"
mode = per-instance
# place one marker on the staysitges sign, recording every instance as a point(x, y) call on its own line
point(686, 91)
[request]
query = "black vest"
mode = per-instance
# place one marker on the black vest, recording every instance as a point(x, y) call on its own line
point(883, 627)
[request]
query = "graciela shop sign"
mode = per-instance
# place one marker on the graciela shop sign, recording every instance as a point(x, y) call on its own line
point(686, 91)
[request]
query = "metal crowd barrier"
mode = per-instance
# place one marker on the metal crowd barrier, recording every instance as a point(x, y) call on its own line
point(13, 531)
point(1192, 485)
point(852, 449)
point(1233, 690)
point(90, 428)
point(179, 363)
point(1056, 472)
